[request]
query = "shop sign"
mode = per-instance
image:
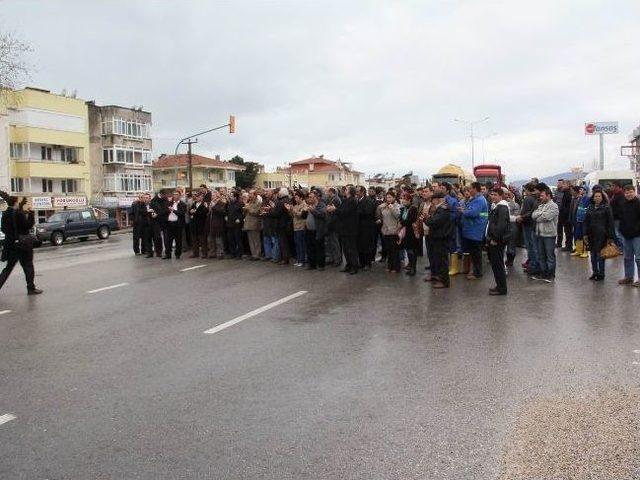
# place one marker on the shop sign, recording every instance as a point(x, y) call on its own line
point(41, 203)
point(61, 202)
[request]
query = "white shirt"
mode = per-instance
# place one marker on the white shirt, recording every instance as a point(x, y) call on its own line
point(172, 216)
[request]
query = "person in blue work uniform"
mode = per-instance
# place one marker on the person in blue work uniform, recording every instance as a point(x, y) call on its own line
point(474, 224)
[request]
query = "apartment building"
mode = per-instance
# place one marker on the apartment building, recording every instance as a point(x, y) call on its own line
point(170, 171)
point(48, 149)
point(314, 171)
point(121, 158)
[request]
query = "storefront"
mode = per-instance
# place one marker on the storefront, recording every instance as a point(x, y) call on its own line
point(44, 207)
point(118, 208)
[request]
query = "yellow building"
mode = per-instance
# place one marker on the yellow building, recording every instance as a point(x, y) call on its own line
point(171, 171)
point(312, 172)
point(48, 149)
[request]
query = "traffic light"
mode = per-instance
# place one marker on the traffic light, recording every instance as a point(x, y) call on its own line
point(232, 124)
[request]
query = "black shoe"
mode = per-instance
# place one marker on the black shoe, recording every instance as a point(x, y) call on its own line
point(177, 257)
point(34, 291)
point(166, 257)
point(346, 270)
point(599, 278)
point(353, 271)
point(495, 291)
point(594, 277)
point(149, 255)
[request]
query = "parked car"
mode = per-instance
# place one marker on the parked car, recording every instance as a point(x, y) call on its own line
point(80, 224)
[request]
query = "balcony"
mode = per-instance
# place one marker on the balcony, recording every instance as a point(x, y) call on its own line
point(126, 183)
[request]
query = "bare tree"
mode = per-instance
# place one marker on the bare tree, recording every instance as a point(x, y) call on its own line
point(13, 67)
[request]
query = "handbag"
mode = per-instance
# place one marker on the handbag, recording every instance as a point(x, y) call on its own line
point(26, 242)
point(609, 251)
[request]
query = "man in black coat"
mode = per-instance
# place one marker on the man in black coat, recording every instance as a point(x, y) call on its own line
point(175, 225)
point(141, 226)
point(199, 213)
point(440, 228)
point(159, 215)
point(498, 234)
point(347, 214)
point(366, 227)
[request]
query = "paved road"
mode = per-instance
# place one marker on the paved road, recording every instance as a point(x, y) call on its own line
point(365, 377)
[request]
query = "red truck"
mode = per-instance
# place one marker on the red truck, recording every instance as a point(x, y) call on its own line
point(489, 173)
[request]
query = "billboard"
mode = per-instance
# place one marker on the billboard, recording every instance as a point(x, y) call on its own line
point(600, 128)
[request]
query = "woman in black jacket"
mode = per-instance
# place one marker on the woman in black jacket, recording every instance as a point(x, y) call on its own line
point(17, 222)
point(409, 242)
point(599, 230)
point(498, 234)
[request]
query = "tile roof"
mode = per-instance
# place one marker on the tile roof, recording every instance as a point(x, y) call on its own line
point(181, 160)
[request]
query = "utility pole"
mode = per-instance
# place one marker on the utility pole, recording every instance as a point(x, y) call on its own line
point(189, 142)
point(601, 151)
point(471, 123)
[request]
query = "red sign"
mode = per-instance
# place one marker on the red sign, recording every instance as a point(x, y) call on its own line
point(590, 128)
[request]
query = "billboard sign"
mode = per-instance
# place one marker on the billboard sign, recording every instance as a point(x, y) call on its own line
point(59, 202)
point(600, 128)
point(41, 203)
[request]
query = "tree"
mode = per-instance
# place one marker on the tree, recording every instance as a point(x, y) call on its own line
point(13, 68)
point(246, 178)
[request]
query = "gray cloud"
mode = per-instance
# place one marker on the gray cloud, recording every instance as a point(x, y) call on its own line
point(374, 83)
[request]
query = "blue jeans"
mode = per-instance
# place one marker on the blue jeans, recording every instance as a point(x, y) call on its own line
point(597, 263)
point(546, 254)
point(301, 245)
point(631, 254)
point(271, 247)
point(619, 238)
point(532, 248)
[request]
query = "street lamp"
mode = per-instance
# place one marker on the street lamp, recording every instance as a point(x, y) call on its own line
point(471, 123)
point(188, 141)
point(483, 139)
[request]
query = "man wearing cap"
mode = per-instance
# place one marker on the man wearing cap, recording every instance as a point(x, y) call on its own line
point(440, 228)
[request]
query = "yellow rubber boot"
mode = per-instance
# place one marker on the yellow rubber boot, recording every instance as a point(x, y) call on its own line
point(584, 253)
point(579, 248)
point(453, 264)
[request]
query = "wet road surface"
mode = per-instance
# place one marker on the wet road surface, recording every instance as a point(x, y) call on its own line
point(361, 377)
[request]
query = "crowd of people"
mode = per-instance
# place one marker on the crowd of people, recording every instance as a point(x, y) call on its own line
point(353, 227)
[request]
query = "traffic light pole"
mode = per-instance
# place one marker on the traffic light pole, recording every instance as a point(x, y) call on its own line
point(188, 141)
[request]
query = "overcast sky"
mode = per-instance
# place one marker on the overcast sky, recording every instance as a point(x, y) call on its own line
point(374, 83)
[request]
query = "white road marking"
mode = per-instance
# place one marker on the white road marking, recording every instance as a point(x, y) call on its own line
point(110, 287)
point(7, 417)
point(255, 312)
point(192, 268)
point(636, 351)
point(2, 312)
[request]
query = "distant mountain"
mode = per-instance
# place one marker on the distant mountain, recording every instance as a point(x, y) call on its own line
point(551, 180)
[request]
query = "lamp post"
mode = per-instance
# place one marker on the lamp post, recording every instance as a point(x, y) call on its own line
point(483, 139)
point(189, 141)
point(471, 123)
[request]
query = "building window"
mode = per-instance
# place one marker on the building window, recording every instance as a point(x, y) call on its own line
point(47, 185)
point(45, 153)
point(18, 150)
point(107, 155)
point(127, 128)
point(231, 174)
point(17, 184)
point(69, 185)
point(69, 155)
point(120, 156)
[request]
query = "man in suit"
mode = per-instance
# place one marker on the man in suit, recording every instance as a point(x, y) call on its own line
point(159, 212)
point(366, 227)
point(199, 212)
point(140, 225)
point(175, 225)
point(347, 213)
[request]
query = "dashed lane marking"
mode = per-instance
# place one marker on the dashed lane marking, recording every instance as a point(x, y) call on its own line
point(110, 287)
point(7, 417)
point(2, 312)
point(255, 312)
point(192, 268)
